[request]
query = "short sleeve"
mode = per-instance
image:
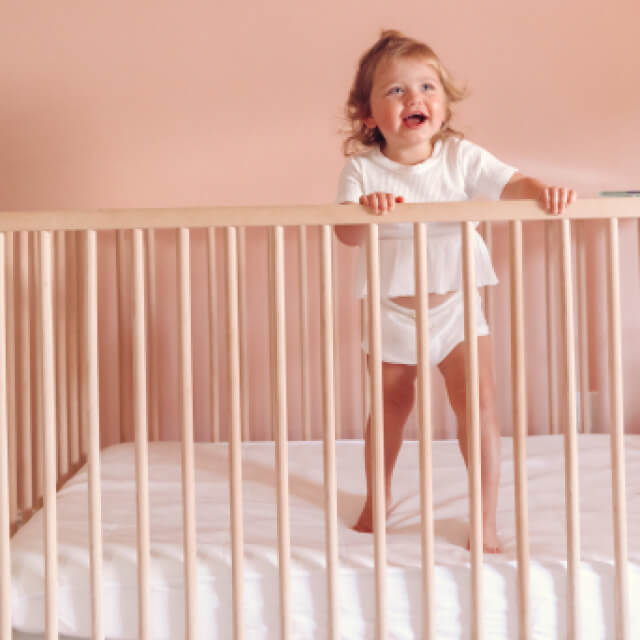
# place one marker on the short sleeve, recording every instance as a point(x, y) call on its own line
point(485, 175)
point(350, 182)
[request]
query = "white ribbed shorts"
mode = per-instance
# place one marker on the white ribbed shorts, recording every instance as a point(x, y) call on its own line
point(446, 330)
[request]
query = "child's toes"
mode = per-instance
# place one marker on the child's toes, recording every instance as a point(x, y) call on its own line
point(488, 546)
point(493, 548)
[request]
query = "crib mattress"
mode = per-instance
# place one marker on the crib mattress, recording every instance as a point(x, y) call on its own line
point(308, 580)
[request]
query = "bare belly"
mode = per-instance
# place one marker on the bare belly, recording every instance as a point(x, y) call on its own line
point(435, 299)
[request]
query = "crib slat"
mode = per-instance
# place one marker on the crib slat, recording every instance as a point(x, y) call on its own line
point(583, 323)
point(72, 354)
point(551, 297)
point(235, 434)
point(638, 236)
point(280, 428)
point(141, 436)
point(61, 353)
point(93, 433)
point(617, 432)
point(5, 479)
point(488, 292)
point(329, 417)
point(242, 317)
point(272, 329)
point(364, 374)
point(186, 420)
point(37, 382)
point(83, 378)
point(519, 387)
point(336, 335)
point(304, 333)
point(152, 352)
point(425, 430)
point(473, 425)
point(25, 376)
point(214, 378)
point(570, 442)
point(49, 416)
point(377, 430)
point(10, 373)
point(122, 288)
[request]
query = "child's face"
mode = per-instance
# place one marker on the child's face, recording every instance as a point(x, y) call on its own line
point(408, 104)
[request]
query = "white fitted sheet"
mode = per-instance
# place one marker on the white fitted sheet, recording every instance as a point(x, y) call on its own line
point(357, 603)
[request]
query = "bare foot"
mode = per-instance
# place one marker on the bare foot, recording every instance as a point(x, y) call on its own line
point(364, 523)
point(490, 542)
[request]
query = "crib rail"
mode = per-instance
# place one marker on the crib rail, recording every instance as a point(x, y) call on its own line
point(295, 215)
point(40, 445)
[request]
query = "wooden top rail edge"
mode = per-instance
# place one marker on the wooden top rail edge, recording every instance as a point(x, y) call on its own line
point(194, 217)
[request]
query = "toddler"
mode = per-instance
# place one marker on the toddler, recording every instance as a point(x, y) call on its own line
point(402, 148)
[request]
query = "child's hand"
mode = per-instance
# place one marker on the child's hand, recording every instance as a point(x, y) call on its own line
point(555, 200)
point(379, 203)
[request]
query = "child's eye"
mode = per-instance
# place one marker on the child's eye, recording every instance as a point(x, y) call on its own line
point(394, 91)
point(428, 86)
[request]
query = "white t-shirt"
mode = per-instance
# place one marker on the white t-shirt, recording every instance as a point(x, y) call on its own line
point(456, 170)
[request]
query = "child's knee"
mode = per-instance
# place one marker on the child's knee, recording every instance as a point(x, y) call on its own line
point(401, 398)
point(399, 386)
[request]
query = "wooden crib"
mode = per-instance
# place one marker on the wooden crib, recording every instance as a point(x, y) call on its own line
point(45, 450)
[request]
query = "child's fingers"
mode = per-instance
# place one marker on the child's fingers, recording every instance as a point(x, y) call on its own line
point(385, 202)
point(391, 201)
point(559, 200)
point(556, 199)
point(564, 198)
point(378, 202)
point(550, 203)
point(370, 202)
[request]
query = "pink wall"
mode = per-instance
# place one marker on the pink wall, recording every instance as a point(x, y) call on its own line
point(133, 104)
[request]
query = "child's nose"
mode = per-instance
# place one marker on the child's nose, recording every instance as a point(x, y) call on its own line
point(412, 96)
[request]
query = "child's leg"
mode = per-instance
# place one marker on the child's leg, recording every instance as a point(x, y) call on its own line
point(453, 370)
point(398, 389)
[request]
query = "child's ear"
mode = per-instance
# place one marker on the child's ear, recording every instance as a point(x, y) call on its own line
point(370, 122)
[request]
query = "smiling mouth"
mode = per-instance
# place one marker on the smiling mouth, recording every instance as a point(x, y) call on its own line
point(415, 119)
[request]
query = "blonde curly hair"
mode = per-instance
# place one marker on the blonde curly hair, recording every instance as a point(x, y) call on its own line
point(391, 44)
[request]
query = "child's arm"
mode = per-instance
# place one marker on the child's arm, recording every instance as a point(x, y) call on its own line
point(375, 203)
point(553, 200)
